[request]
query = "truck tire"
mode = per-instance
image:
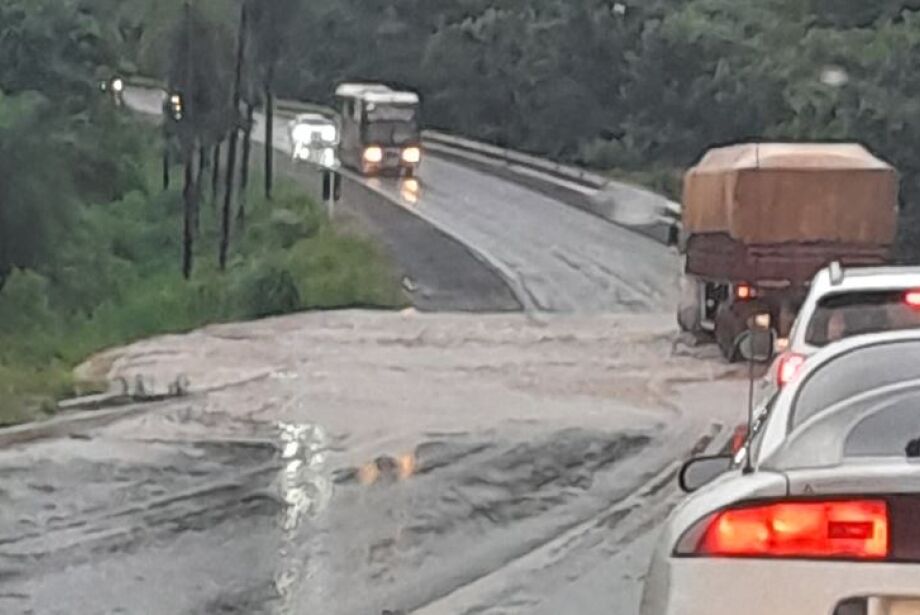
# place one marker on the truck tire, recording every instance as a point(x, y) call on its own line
point(729, 328)
point(690, 308)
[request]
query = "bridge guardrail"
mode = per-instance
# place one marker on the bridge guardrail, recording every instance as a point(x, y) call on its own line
point(664, 220)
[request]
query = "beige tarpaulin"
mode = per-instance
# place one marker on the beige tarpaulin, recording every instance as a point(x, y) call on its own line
point(776, 193)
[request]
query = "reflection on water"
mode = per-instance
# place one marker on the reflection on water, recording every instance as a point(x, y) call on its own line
point(401, 467)
point(411, 190)
point(305, 491)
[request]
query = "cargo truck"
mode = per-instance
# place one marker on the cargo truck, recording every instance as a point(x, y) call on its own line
point(760, 220)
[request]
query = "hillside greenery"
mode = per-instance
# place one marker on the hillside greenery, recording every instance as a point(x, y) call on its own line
point(91, 243)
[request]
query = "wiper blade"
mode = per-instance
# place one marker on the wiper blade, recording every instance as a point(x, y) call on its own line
point(913, 449)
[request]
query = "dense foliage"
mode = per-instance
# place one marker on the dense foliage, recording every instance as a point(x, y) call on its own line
point(633, 84)
point(91, 243)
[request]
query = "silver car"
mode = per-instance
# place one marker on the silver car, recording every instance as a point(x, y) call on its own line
point(819, 513)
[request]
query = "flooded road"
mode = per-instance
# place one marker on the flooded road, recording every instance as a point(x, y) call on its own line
point(360, 463)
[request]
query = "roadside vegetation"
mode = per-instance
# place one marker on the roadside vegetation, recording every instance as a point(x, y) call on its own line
point(639, 88)
point(93, 248)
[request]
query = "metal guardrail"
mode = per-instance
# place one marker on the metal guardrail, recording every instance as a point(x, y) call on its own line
point(668, 214)
point(573, 174)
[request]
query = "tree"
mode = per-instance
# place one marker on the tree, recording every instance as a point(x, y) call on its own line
point(241, 44)
point(271, 21)
point(196, 78)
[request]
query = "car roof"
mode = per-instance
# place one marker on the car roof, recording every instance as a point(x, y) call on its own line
point(867, 278)
point(777, 431)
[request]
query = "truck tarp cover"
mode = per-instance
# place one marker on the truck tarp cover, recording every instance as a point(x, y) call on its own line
point(777, 193)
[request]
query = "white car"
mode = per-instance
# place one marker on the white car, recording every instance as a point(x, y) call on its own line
point(846, 302)
point(315, 139)
point(820, 512)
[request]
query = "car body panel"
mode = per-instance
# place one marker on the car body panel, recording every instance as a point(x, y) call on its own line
point(688, 585)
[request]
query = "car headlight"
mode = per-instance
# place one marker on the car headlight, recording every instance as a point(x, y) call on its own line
point(412, 155)
point(118, 85)
point(373, 154)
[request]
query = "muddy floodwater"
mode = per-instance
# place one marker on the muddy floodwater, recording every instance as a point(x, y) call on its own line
point(364, 463)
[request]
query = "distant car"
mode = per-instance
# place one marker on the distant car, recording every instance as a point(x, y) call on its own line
point(819, 512)
point(314, 138)
point(842, 303)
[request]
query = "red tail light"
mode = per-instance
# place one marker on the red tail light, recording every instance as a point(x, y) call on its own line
point(788, 367)
point(739, 438)
point(912, 298)
point(743, 292)
point(855, 529)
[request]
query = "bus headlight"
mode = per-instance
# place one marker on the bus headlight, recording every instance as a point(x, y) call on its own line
point(373, 154)
point(412, 155)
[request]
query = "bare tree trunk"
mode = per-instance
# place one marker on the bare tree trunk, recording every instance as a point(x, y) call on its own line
point(269, 133)
point(199, 187)
point(188, 195)
point(244, 169)
point(166, 166)
point(228, 200)
point(215, 173)
point(234, 138)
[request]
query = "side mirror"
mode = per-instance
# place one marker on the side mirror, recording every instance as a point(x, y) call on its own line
point(758, 343)
point(699, 472)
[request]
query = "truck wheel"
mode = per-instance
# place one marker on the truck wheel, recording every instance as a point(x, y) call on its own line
point(690, 308)
point(728, 329)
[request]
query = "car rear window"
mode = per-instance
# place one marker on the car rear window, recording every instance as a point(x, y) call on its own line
point(888, 430)
point(856, 313)
point(853, 373)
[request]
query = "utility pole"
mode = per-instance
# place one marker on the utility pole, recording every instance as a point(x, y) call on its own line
point(188, 146)
point(234, 138)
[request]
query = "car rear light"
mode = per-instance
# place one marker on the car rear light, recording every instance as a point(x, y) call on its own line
point(845, 529)
point(744, 292)
point(912, 298)
point(739, 438)
point(788, 368)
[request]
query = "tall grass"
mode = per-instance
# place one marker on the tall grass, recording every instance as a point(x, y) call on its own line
point(117, 279)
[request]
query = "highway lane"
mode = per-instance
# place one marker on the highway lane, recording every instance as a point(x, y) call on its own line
point(564, 259)
point(555, 257)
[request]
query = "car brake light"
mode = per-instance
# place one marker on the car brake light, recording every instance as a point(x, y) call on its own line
point(912, 298)
point(739, 438)
point(856, 529)
point(788, 367)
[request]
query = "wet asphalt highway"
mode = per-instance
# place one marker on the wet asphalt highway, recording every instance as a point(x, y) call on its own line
point(355, 463)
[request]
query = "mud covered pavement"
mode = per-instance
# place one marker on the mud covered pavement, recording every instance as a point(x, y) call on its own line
point(357, 463)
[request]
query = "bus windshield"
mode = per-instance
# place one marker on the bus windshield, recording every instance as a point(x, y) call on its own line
point(391, 133)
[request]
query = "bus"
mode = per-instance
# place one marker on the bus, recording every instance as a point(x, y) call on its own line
point(380, 129)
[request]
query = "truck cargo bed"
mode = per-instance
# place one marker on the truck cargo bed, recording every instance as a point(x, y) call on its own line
point(718, 257)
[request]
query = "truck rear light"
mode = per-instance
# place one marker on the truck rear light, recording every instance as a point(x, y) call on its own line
point(845, 529)
point(744, 292)
point(912, 298)
point(788, 368)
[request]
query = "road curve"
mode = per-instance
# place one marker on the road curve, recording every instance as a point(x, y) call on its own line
point(563, 259)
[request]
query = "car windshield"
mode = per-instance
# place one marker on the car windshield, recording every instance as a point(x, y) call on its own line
point(855, 313)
